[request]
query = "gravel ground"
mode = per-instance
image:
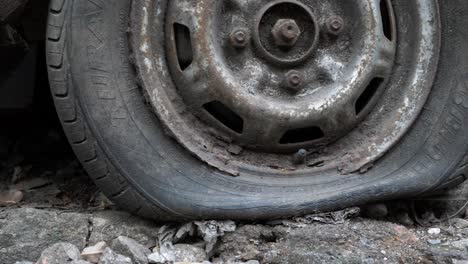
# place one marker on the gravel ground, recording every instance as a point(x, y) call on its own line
point(50, 212)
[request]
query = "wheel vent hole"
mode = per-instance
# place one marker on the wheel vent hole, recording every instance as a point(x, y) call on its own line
point(225, 116)
point(183, 43)
point(368, 94)
point(301, 135)
point(385, 12)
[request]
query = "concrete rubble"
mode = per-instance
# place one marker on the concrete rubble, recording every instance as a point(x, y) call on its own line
point(105, 237)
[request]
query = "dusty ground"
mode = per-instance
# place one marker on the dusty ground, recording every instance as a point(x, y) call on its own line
point(48, 198)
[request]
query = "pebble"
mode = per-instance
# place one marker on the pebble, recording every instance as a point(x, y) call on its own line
point(434, 241)
point(110, 257)
point(129, 247)
point(434, 231)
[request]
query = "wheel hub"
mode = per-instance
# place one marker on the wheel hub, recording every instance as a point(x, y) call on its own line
point(286, 32)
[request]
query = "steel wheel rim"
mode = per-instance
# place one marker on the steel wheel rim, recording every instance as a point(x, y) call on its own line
point(220, 150)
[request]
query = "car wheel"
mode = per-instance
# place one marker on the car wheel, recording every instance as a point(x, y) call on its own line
point(261, 109)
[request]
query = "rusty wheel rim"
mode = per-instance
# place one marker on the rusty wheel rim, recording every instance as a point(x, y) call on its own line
point(240, 109)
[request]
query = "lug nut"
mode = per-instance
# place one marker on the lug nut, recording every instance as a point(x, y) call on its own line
point(239, 38)
point(300, 157)
point(335, 25)
point(286, 32)
point(294, 81)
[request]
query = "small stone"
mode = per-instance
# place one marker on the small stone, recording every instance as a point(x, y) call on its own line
point(434, 241)
point(93, 253)
point(252, 262)
point(188, 253)
point(110, 257)
point(434, 231)
point(156, 258)
point(24, 262)
point(405, 235)
point(167, 252)
point(129, 247)
point(459, 223)
point(60, 253)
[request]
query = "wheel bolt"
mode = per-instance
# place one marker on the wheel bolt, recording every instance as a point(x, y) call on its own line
point(294, 81)
point(300, 157)
point(335, 25)
point(239, 38)
point(286, 32)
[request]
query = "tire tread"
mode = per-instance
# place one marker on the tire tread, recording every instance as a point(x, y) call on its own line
point(114, 185)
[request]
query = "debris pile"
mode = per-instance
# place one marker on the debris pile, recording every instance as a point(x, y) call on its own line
point(105, 237)
point(125, 250)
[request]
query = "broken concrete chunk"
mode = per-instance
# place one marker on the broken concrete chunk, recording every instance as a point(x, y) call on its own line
point(110, 257)
point(179, 253)
point(211, 230)
point(189, 253)
point(156, 258)
point(167, 252)
point(129, 247)
point(60, 253)
point(93, 253)
point(108, 225)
